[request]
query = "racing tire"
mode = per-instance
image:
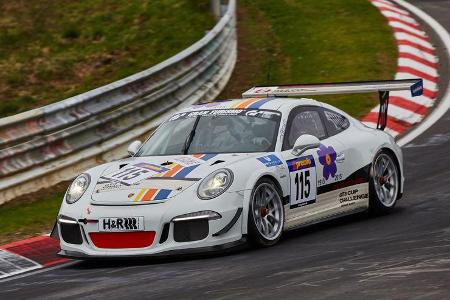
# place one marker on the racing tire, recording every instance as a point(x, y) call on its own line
point(266, 214)
point(384, 184)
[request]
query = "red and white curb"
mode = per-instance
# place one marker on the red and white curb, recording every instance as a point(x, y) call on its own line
point(416, 59)
point(30, 254)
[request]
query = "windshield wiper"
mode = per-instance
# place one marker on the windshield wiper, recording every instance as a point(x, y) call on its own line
point(190, 137)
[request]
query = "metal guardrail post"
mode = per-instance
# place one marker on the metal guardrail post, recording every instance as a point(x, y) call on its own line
point(216, 8)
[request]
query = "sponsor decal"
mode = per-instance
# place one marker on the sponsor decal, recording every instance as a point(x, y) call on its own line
point(134, 173)
point(302, 172)
point(251, 111)
point(358, 177)
point(177, 116)
point(121, 224)
point(151, 167)
point(283, 128)
point(300, 163)
point(215, 112)
point(265, 114)
point(350, 197)
point(177, 170)
point(264, 90)
point(108, 185)
point(301, 204)
point(270, 160)
point(327, 158)
point(187, 161)
point(417, 88)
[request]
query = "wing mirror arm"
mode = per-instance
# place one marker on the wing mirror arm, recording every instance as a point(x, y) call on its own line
point(299, 151)
point(305, 142)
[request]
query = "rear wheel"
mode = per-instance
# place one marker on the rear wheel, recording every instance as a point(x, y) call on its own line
point(266, 214)
point(384, 185)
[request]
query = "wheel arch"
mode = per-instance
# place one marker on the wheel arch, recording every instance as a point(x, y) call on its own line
point(399, 168)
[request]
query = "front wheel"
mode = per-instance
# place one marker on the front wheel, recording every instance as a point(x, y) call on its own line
point(384, 184)
point(266, 214)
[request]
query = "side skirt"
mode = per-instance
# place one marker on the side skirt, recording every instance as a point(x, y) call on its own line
point(329, 218)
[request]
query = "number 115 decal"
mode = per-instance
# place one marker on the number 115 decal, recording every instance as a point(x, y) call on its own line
point(303, 175)
point(134, 173)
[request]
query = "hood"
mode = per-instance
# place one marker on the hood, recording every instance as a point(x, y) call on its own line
point(156, 179)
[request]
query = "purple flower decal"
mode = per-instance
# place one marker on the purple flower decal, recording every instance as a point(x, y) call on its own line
point(327, 157)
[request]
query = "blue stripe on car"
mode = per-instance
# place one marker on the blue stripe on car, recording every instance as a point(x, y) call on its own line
point(162, 194)
point(260, 103)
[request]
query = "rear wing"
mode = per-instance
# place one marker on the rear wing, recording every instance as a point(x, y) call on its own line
point(382, 87)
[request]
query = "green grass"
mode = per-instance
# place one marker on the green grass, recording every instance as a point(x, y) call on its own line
point(312, 41)
point(23, 219)
point(51, 50)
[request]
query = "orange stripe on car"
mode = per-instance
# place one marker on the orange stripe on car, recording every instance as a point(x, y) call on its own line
point(236, 103)
point(247, 103)
point(173, 171)
point(149, 195)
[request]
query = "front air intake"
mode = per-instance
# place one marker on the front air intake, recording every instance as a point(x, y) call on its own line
point(189, 231)
point(71, 233)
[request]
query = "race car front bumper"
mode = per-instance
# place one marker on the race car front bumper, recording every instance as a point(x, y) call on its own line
point(169, 228)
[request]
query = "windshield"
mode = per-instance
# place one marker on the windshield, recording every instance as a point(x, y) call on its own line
point(215, 131)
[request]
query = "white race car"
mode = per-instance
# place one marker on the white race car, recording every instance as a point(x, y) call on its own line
point(218, 174)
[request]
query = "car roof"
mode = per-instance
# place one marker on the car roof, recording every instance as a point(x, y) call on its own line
point(253, 103)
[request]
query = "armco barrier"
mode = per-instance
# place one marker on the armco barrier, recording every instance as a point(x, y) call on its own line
point(50, 144)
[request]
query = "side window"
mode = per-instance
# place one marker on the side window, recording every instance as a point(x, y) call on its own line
point(335, 122)
point(303, 121)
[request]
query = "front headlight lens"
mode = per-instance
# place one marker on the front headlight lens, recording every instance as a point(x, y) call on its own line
point(215, 184)
point(77, 188)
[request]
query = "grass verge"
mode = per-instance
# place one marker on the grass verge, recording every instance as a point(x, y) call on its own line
point(24, 218)
point(52, 50)
point(308, 41)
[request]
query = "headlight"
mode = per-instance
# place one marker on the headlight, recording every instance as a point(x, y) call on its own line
point(215, 184)
point(77, 188)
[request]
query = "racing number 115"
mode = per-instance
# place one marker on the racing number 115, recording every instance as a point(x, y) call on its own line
point(302, 185)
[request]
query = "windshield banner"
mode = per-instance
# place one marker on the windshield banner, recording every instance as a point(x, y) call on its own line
point(258, 113)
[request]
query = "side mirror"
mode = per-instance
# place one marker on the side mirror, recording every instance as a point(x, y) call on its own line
point(305, 142)
point(134, 147)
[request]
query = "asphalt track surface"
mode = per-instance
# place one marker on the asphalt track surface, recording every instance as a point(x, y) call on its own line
point(404, 255)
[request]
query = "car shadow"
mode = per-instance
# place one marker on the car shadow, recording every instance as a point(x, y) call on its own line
point(351, 220)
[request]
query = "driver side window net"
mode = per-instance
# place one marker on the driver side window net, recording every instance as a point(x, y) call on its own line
point(305, 122)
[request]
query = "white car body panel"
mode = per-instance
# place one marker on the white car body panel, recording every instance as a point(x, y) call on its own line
point(358, 144)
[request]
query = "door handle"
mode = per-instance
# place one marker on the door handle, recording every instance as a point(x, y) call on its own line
point(341, 157)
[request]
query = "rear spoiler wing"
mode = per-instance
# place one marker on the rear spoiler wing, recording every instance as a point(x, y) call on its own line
point(382, 87)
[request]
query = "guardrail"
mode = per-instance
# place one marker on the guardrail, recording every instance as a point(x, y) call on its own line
point(44, 146)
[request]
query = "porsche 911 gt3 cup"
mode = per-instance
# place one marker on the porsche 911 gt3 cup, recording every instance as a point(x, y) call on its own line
point(218, 174)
